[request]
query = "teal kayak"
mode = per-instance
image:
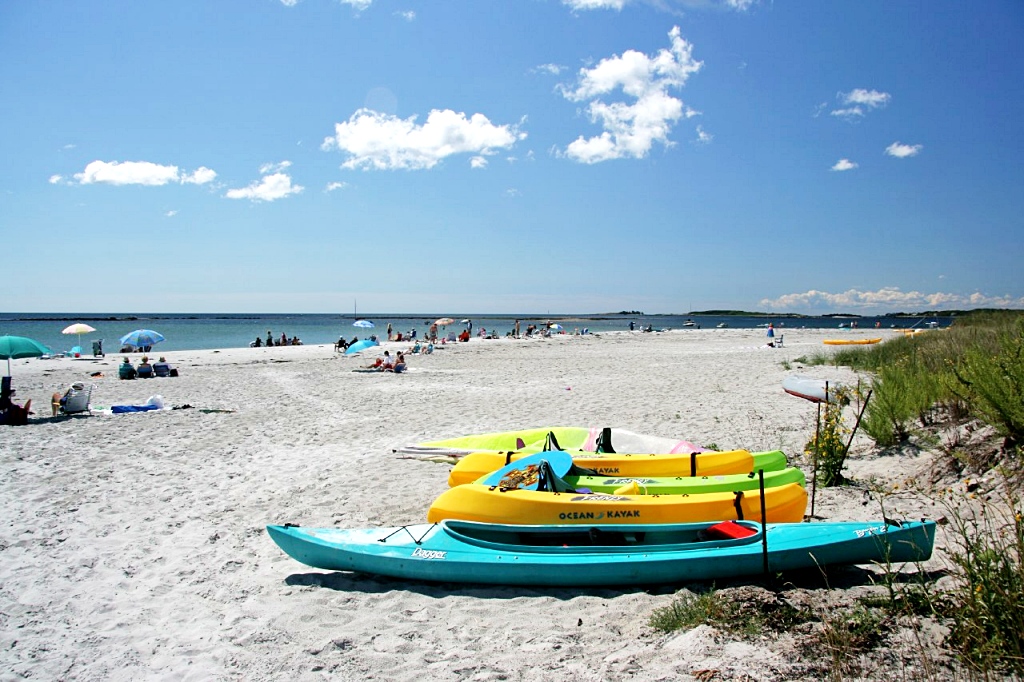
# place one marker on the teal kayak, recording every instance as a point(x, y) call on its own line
point(614, 555)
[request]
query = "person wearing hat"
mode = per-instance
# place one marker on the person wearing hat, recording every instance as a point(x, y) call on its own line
point(126, 370)
point(58, 401)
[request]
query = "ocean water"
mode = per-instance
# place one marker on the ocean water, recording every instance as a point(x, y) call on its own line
point(185, 331)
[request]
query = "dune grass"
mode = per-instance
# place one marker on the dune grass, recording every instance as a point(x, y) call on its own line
point(975, 368)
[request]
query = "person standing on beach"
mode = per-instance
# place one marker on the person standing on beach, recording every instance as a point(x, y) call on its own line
point(270, 339)
point(389, 331)
point(771, 331)
point(516, 335)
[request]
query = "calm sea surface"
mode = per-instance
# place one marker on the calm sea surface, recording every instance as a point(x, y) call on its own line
point(204, 331)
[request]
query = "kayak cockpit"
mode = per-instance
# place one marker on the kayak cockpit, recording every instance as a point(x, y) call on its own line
point(650, 537)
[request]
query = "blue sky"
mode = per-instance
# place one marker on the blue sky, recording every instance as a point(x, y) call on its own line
point(512, 156)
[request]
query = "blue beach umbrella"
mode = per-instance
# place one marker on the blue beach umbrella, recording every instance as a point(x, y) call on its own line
point(20, 347)
point(141, 337)
point(365, 324)
point(361, 345)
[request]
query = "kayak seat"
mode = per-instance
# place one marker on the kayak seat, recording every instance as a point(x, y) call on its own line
point(727, 530)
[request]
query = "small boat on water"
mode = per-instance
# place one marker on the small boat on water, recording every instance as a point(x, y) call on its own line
point(601, 554)
point(722, 325)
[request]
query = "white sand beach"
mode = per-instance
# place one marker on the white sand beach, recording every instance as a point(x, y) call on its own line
point(133, 546)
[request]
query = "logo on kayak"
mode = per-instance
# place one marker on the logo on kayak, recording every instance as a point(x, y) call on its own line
point(627, 481)
point(607, 471)
point(428, 553)
point(597, 516)
point(873, 530)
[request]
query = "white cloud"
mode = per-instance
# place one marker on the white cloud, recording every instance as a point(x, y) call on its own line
point(630, 130)
point(859, 101)
point(738, 5)
point(275, 167)
point(268, 188)
point(553, 69)
point(383, 142)
point(55, 179)
point(703, 136)
point(289, 3)
point(127, 173)
point(902, 151)
point(139, 173)
point(594, 4)
point(408, 15)
point(199, 176)
point(358, 5)
point(844, 165)
point(887, 299)
point(171, 214)
point(478, 162)
point(331, 186)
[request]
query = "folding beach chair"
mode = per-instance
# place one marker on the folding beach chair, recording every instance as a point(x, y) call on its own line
point(77, 401)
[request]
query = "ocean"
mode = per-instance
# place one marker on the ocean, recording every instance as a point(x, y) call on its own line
point(184, 331)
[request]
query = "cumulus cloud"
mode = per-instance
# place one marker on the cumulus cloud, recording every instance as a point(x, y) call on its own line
point(199, 176)
point(478, 162)
point(138, 173)
point(902, 151)
point(859, 101)
point(358, 5)
point(383, 142)
point(55, 179)
point(408, 15)
point(844, 165)
point(127, 173)
point(171, 214)
point(887, 299)
point(703, 136)
point(331, 186)
point(631, 129)
point(272, 186)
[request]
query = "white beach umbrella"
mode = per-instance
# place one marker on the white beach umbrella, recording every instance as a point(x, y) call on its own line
point(78, 328)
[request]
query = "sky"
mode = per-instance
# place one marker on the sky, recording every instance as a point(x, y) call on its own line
point(511, 156)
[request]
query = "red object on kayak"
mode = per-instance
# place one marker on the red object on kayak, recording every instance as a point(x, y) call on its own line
point(729, 530)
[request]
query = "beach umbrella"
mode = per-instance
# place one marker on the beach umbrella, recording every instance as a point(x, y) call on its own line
point(554, 325)
point(78, 328)
point(361, 345)
point(365, 324)
point(20, 347)
point(443, 321)
point(465, 320)
point(141, 337)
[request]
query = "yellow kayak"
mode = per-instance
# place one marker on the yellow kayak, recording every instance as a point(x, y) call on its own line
point(493, 504)
point(850, 342)
point(471, 467)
